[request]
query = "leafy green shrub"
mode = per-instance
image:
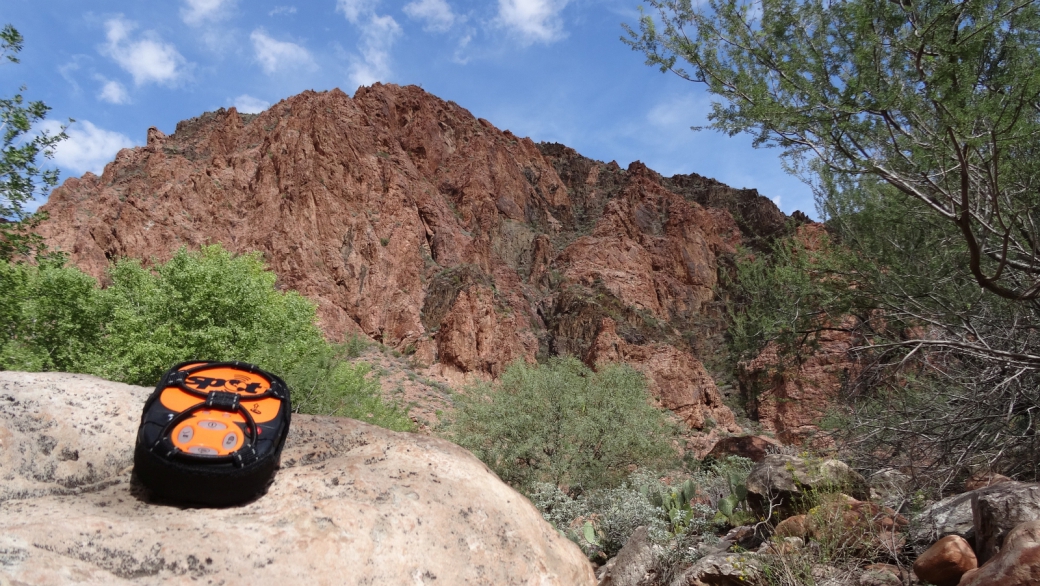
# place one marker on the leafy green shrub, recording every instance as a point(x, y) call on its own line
point(50, 317)
point(564, 424)
point(208, 304)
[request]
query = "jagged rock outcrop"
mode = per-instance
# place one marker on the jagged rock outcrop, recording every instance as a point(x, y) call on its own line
point(411, 221)
point(352, 503)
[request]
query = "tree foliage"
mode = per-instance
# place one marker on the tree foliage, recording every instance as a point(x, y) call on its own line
point(21, 176)
point(564, 424)
point(917, 124)
point(939, 100)
point(207, 304)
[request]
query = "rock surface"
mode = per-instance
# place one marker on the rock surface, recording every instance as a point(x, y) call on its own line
point(353, 503)
point(945, 561)
point(785, 480)
point(1017, 564)
point(998, 509)
point(949, 516)
point(631, 565)
point(752, 447)
point(734, 569)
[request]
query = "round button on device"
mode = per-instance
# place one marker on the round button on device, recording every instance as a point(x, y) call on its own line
point(202, 451)
point(185, 434)
point(230, 441)
point(212, 425)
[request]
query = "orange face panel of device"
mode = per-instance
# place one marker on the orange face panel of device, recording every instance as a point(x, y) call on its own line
point(229, 380)
point(209, 433)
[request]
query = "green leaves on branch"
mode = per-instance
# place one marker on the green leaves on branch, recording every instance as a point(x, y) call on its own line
point(21, 177)
point(939, 100)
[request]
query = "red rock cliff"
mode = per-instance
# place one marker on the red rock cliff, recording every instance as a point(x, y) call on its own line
point(408, 220)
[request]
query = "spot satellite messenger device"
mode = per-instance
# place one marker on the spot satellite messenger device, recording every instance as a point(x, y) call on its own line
point(212, 433)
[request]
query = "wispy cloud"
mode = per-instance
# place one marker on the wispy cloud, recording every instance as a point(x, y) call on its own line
point(198, 12)
point(113, 92)
point(437, 14)
point(533, 21)
point(147, 58)
point(282, 10)
point(378, 35)
point(247, 104)
point(274, 55)
point(88, 147)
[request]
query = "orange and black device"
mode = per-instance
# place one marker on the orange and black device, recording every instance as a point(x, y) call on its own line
point(212, 433)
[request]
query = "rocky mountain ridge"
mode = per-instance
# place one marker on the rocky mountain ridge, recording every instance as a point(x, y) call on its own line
point(414, 223)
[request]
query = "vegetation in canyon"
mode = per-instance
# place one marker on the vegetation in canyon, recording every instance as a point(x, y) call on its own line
point(917, 126)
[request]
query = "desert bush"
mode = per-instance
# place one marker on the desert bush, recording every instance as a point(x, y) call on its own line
point(601, 520)
point(563, 424)
point(208, 304)
point(325, 382)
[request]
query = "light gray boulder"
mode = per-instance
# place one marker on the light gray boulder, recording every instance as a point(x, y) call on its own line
point(784, 481)
point(352, 504)
point(949, 516)
point(632, 564)
point(722, 569)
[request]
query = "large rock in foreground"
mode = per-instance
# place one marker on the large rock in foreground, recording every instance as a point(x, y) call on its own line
point(353, 504)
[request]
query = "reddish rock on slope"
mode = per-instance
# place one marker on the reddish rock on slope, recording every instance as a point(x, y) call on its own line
point(411, 221)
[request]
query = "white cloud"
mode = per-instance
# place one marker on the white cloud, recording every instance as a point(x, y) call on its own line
point(147, 58)
point(436, 13)
point(88, 147)
point(533, 20)
point(113, 92)
point(680, 112)
point(377, 37)
point(198, 12)
point(282, 10)
point(247, 104)
point(354, 9)
point(274, 54)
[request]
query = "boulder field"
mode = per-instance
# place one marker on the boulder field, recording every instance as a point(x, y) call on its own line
point(352, 504)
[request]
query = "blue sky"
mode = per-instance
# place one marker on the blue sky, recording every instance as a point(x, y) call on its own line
point(553, 70)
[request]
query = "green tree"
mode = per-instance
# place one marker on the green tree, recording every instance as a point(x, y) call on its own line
point(939, 100)
point(21, 177)
point(917, 125)
point(564, 424)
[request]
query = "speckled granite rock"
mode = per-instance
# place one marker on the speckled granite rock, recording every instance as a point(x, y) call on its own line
point(353, 504)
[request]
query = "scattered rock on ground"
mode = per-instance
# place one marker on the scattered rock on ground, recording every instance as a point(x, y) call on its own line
point(998, 509)
point(632, 564)
point(949, 516)
point(1017, 563)
point(882, 575)
point(785, 480)
point(945, 561)
point(733, 569)
point(352, 503)
point(753, 447)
